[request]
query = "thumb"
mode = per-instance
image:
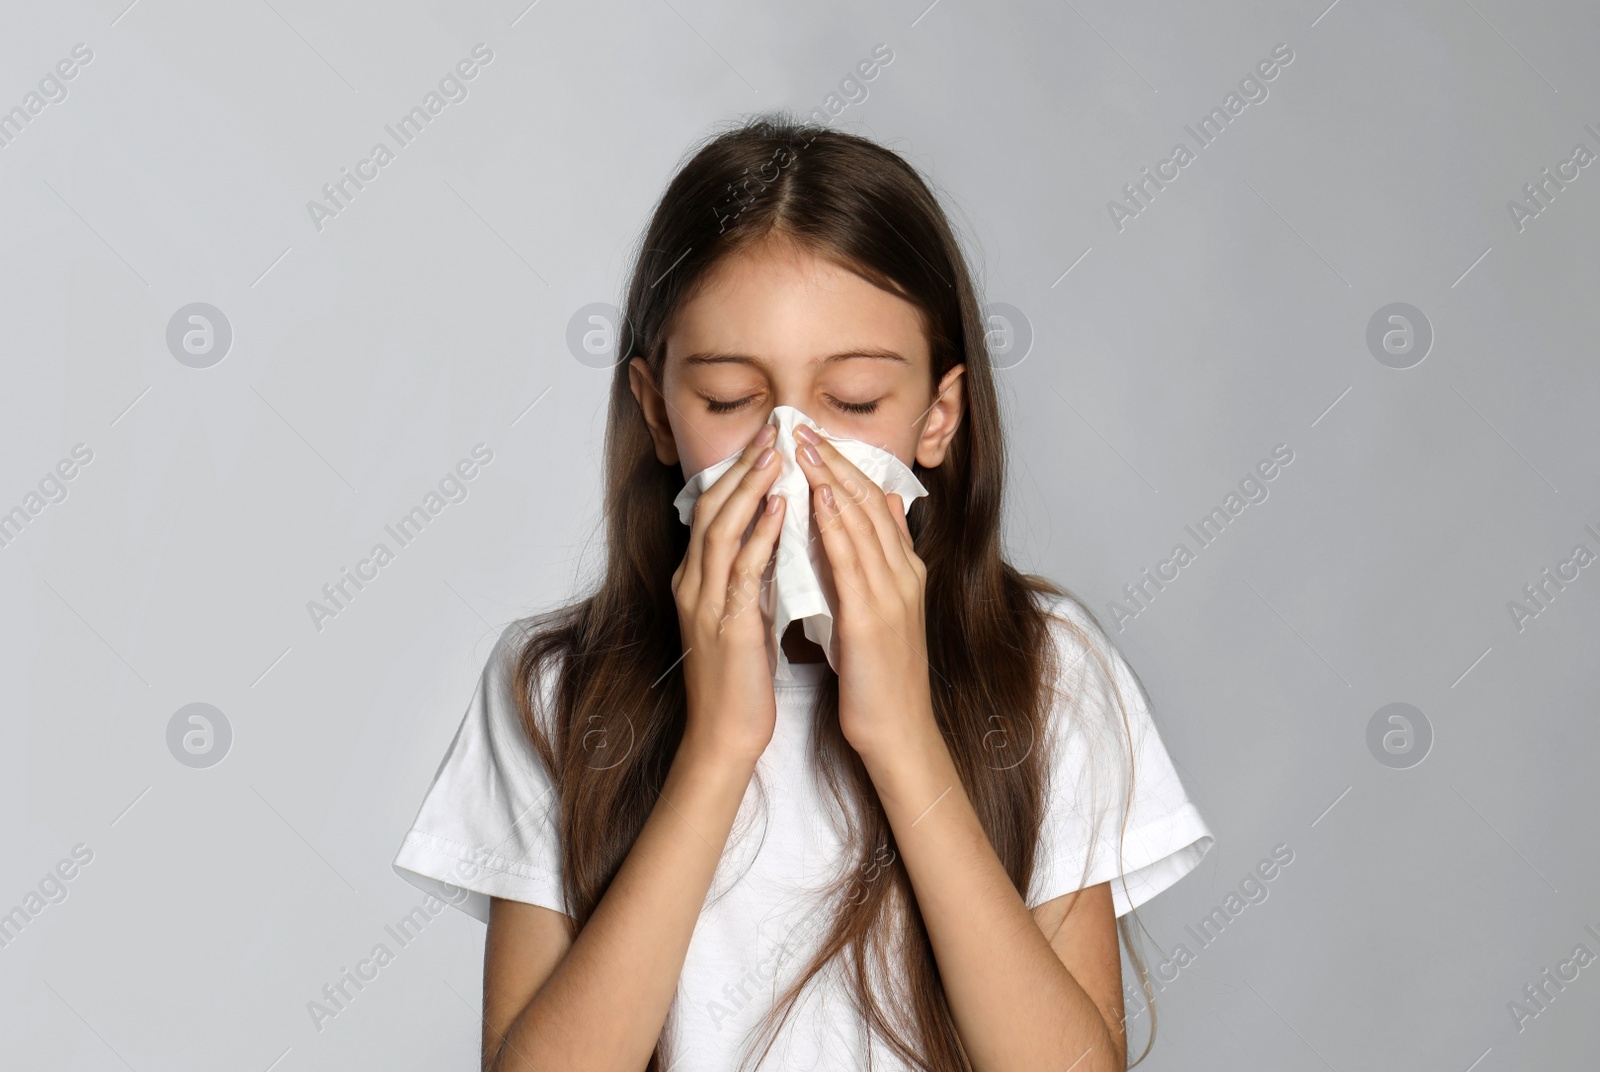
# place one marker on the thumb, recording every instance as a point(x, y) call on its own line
point(897, 507)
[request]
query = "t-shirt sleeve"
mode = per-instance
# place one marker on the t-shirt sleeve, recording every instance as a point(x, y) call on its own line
point(488, 823)
point(1089, 746)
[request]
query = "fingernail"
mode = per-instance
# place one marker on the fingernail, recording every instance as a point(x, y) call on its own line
point(767, 434)
point(827, 496)
point(804, 433)
point(772, 504)
point(811, 455)
point(764, 457)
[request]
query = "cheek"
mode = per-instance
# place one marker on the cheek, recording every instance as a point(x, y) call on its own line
point(887, 431)
point(701, 447)
point(906, 452)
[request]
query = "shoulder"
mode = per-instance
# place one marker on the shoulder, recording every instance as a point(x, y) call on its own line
point(501, 668)
point(1082, 646)
point(488, 823)
point(508, 672)
point(1064, 607)
point(507, 650)
point(1096, 691)
point(1118, 810)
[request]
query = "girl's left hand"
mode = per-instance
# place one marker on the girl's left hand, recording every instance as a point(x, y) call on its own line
point(884, 697)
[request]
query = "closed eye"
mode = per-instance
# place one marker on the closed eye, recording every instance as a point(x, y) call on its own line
point(717, 405)
point(855, 407)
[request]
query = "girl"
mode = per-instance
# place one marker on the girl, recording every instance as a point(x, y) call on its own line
point(918, 857)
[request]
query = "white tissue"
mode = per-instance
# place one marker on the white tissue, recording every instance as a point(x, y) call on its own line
point(799, 584)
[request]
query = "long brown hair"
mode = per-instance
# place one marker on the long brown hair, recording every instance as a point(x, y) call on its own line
point(618, 706)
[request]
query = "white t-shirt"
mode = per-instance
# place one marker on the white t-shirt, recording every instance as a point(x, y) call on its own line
point(487, 827)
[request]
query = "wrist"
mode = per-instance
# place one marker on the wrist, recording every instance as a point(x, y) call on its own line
point(912, 771)
point(893, 748)
point(705, 753)
point(879, 731)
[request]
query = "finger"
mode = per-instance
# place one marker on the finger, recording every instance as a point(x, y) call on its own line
point(849, 572)
point(897, 510)
point(707, 506)
point(735, 513)
point(855, 499)
point(863, 492)
point(744, 578)
point(689, 569)
point(908, 543)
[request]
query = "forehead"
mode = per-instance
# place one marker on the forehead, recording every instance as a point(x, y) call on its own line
point(780, 303)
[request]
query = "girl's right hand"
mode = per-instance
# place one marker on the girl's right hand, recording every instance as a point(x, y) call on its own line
point(717, 587)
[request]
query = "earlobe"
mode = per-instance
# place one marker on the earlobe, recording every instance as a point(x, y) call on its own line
point(944, 417)
point(654, 410)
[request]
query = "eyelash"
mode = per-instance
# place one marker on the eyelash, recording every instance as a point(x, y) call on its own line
point(857, 407)
point(862, 408)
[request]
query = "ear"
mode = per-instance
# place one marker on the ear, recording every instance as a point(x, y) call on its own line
point(943, 418)
point(654, 408)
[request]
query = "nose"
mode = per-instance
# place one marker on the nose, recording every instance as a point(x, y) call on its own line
point(786, 400)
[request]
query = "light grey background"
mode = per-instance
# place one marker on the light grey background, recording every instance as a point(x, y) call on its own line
point(1168, 358)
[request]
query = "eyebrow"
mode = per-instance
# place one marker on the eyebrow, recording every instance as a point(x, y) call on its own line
point(721, 357)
